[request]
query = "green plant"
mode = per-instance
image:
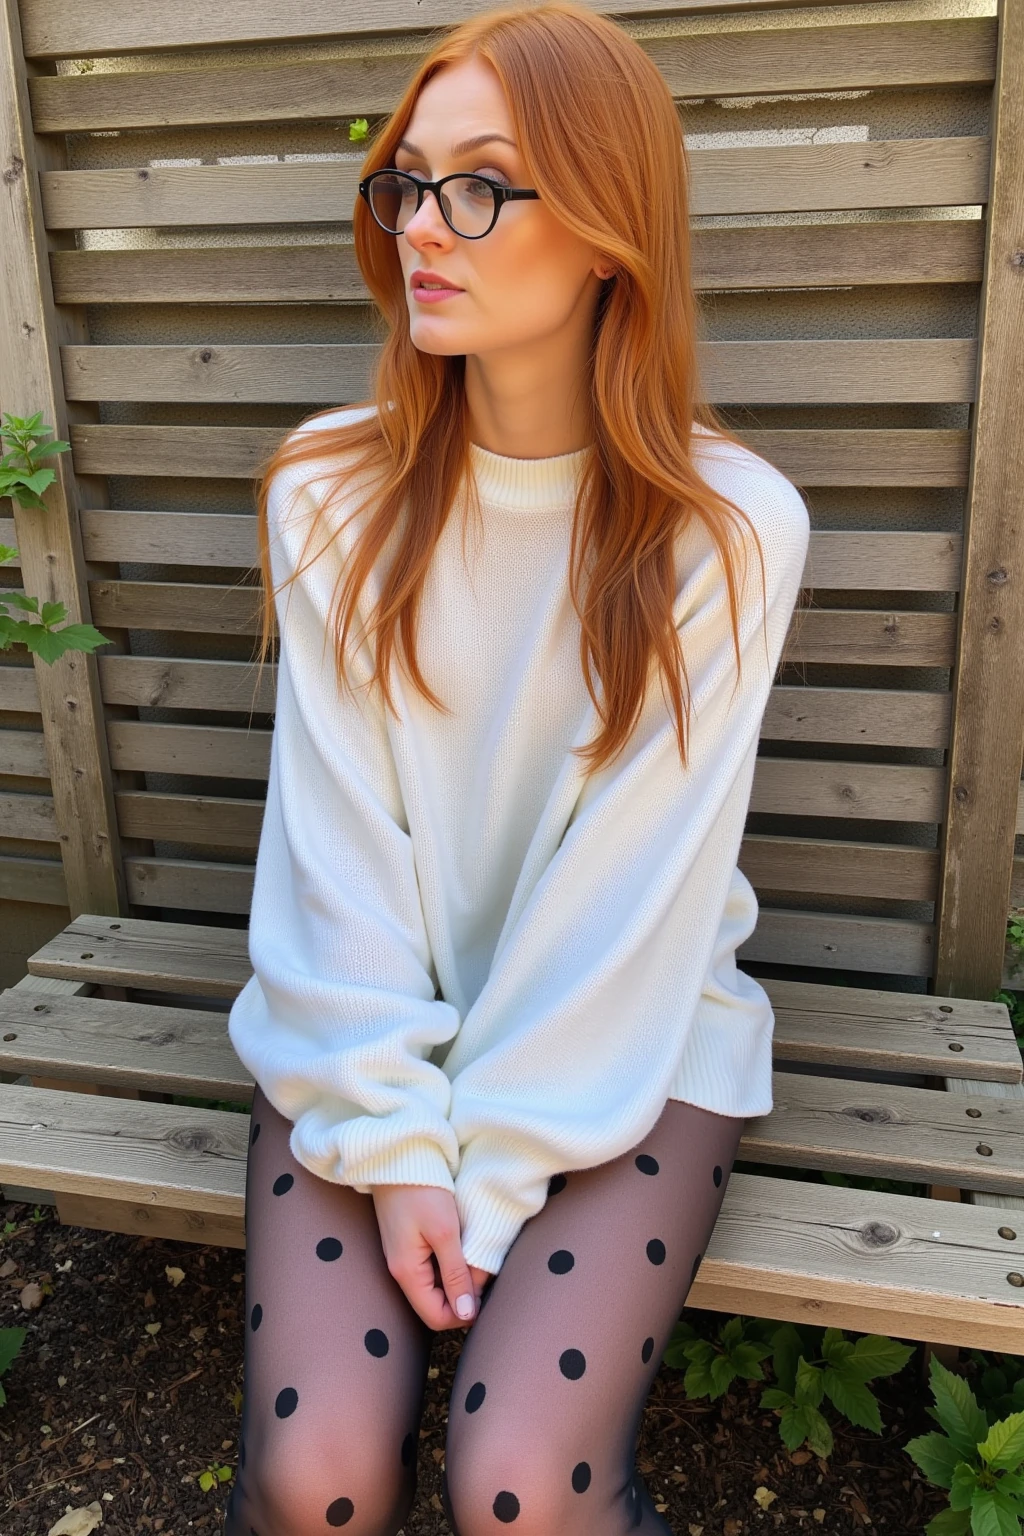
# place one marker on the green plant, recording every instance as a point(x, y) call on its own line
point(999, 1381)
point(215, 1473)
point(11, 1340)
point(978, 1462)
point(358, 128)
point(23, 479)
point(1015, 930)
point(808, 1363)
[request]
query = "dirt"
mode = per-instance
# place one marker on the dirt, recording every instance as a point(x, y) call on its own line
point(128, 1386)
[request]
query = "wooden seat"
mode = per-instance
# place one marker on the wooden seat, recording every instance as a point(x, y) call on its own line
point(948, 1273)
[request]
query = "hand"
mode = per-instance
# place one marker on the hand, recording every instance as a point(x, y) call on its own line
point(422, 1239)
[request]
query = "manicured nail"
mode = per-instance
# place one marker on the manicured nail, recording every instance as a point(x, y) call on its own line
point(464, 1306)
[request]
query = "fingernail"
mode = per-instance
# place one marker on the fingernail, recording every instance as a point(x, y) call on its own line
point(464, 1306)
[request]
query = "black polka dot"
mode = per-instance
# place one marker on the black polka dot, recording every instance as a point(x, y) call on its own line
point(340, 1512)
point(696, 1266)
point(572, 1363)
point(581, 1477)
point(377, 1343)
point(408, 1448)
point(717, 1175)
point(475, 1396)
point(557, 1183)
point(286, 1402)
point(647, 1351)
point(506, 1507)
point(656, 1251)
point(254, 1133)
point(561, 1261)
point(283, 1183)
point(255, 1317)
point(646, 1163)
point(328, 1248)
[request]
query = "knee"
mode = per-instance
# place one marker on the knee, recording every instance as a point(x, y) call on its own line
point(310, 1491)
point(522, 1484)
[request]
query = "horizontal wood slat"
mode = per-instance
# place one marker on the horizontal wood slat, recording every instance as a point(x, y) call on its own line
point(851, 636)
point(18, 688)
point(49, 30)
point(23, 752)
point(33, 880)
point(810, 456)
point(880, 370)
point(767, 256)
point(790, 1248)
point(862, 559)
point(878, 173)
point(187, 1050)
point(954, 51)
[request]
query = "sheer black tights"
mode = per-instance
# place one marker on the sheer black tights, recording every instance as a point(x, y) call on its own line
point(553, 1373)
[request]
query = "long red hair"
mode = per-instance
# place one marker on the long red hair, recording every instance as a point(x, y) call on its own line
point(639, 486)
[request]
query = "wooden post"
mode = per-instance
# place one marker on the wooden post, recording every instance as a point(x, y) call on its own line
point(988, 679)
point(49, 540)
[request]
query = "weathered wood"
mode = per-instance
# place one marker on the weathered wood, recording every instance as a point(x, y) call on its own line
point(884, 456)
point(32, 330)
point(878, 371)
point(988, 681)
point(958, 50)
point(891, 173)
point(765, 256)
point(118, 26)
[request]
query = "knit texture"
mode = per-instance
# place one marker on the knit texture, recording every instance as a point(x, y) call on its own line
point(471, 969)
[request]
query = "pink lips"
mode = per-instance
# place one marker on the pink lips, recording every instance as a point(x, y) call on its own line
point(432, 295)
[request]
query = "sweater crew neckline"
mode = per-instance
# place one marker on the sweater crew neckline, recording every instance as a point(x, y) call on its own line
point(520, 484)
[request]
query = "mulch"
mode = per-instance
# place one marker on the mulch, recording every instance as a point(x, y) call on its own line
point(128, 1386)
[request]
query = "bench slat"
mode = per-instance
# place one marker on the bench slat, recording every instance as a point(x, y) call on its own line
point(780, 1247)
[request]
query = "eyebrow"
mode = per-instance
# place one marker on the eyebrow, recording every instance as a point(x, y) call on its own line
point(463, 147)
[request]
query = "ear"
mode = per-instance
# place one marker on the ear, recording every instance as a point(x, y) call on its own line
point(605, 270)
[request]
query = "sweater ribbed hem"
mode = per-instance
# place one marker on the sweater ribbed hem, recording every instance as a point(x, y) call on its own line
point(521, 485)
point(490, 1226)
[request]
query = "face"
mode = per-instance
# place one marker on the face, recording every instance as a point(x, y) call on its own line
point(530, 277)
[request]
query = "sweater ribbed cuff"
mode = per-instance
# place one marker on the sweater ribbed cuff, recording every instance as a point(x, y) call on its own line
point(418, 1160)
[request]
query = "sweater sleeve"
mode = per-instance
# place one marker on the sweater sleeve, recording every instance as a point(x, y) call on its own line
point(339, 1016)
point(567, 1056)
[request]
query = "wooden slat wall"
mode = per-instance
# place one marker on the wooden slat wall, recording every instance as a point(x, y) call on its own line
point(208, 194)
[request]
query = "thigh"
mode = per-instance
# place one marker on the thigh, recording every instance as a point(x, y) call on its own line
point(335, 1357)
point(554, 1374)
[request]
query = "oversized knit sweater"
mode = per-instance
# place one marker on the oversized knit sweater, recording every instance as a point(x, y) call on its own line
point(470, 969)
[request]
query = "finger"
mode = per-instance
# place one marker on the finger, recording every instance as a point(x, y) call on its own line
point(459, 1288)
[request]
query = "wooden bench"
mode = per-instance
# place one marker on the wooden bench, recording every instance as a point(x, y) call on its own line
point(887, 792)
point(916, 1267)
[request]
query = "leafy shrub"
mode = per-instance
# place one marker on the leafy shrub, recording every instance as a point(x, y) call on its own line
point(978, 1462)
point(809, 1363)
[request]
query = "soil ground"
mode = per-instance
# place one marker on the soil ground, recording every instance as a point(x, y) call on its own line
point(128, 1386)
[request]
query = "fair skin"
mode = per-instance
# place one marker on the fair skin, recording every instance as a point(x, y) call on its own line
point(523, 318)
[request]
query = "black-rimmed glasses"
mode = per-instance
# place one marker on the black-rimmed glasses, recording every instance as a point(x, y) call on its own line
point(470, 203)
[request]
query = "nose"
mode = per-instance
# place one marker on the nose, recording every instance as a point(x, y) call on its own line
point(426, 223)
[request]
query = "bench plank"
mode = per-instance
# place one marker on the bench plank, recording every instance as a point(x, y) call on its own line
point(781, 1247)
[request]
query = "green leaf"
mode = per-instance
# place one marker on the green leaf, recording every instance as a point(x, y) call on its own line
point(732, 1331)
point(53, 613)
point(853, 1398)
point(875, 1355)
point(49, 644)
point(697, 1381)
point(1003, 1446)
point(835, 1347)
point(819, 1433)
point(988, 1518)
point(936, 1455)
point(206, 1481)
point(963, 1485)
point(39, 480)
point(357, 129)
point(722, 1373)
point(810, 1383)
point(11, 1340)
point(956, 1409)
point(1012, 1482)
point(775, 1397)
point(47, 450)
point(7, 552)
point(794, 1425)
point(788, 1346)
point(19, 600)
point(949, 1522)
point(746, 1357)
point(223, 1473)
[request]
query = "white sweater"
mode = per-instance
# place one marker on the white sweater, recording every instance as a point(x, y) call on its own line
point(467, 971)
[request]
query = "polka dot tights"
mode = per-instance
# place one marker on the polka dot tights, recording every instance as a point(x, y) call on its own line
point(552, 1376)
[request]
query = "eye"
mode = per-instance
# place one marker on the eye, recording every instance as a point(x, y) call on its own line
point(494, 175)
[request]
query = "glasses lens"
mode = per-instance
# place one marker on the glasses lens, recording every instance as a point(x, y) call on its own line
point(467, 200)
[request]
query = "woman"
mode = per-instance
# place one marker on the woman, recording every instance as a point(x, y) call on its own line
point(503, 1054)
